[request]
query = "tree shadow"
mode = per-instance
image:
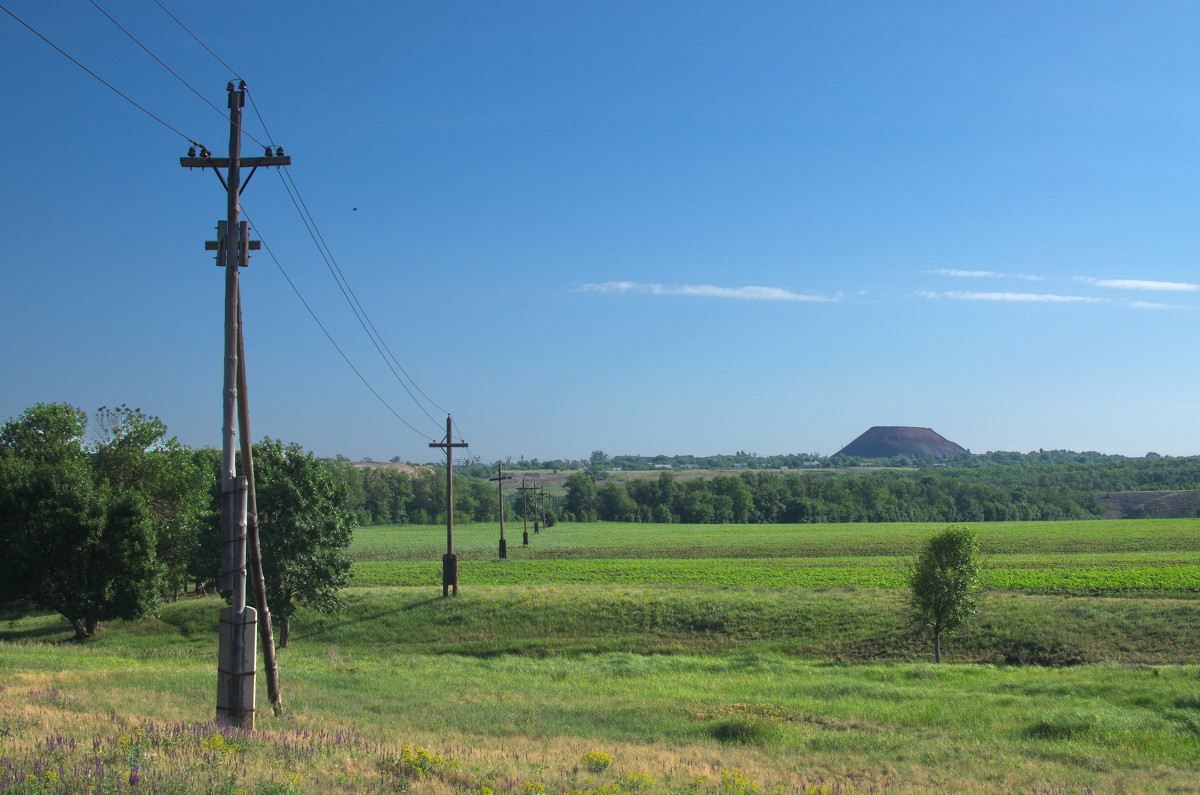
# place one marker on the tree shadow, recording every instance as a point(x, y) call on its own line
point(322, 631)
point(10, 633)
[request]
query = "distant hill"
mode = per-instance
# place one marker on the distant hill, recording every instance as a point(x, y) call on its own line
point(892, 441)
point(1150, 504)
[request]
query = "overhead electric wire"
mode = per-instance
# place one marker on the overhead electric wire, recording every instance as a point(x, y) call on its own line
point(107, 84)
point(343, 288)
point(163, 64)
point(202, 44)
point(310, 224)
point(318, 238)
point(329, 336)
point(357, 303)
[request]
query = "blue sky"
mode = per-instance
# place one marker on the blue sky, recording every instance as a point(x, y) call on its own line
point(670, 227)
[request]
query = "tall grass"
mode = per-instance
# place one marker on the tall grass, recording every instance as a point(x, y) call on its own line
point(666, 720)
point(727, 688)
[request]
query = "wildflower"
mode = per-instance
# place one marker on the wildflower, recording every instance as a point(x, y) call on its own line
point(597, 761)
point(637, 781)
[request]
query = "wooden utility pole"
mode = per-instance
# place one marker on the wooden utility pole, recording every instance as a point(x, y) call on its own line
point(253, 547)
point(525, 507)
point(500, 478)
point(236, 654)
point(449, 560)
point(542, 503)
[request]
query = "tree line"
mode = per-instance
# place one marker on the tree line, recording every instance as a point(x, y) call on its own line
point(1021, 491)
point(382, 495)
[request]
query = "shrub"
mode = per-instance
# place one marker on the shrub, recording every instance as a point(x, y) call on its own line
point(597, 761)
point(741, 730)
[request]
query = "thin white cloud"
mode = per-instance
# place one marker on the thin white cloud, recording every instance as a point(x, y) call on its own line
point(962, 274)
point(748, 293)
point(1152, 305)
point(1143, 284)
point(1045, 298)
point(965, 274)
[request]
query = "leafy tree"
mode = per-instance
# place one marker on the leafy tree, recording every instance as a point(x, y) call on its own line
point(305, 522)
point(944, 580)
point(581, 496)
point(82, 531)
point(132, 453)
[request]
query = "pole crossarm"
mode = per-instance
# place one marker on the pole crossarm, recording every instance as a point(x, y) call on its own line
point(245, 162)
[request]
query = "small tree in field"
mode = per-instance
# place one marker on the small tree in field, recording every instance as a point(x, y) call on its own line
point(944, 580)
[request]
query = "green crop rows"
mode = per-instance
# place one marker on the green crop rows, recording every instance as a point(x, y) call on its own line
point(1093, 557)
point(1021, 573)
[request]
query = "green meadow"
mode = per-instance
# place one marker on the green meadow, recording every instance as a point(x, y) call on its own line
point(606, 658)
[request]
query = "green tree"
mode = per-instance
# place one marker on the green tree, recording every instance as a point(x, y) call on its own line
point(944, 581)
point(306, 521)
point(80, 532)
point(581, 496)
point(131, 452)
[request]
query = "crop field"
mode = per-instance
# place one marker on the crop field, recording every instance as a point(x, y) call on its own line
point(1088, 558)
point(609, 659)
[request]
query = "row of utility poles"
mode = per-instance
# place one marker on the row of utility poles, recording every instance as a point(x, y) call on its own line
point(450, 559)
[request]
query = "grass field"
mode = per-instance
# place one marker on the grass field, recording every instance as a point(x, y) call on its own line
point(745, 659)
point(1086, 558)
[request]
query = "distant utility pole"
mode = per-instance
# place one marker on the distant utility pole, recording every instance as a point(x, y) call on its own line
point(236, 654)
point(542, 503)
point(449, 560)
point(500, 478)
point(525, 507)
point(536, 512)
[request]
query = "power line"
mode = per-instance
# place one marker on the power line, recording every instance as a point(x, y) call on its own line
point(310, 225)
point(329, 336)
point(314, 232)
point(108, 85)
point(163, 64)
point(352, 299)
point(323, 248)
point(205, 46)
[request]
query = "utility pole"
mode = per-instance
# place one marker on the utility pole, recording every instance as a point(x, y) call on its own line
point(542, 503)
point(253, 547)
point(236, 653)
point(525, 507)
point(500, 478)
point(449, 560)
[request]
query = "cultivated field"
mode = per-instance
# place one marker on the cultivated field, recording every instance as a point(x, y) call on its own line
point(714, 660)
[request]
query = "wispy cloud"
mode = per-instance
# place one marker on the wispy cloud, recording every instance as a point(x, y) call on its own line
point(961, 274)
point(1045, 298)
point(1142, 284)
point(1152, 305)
point(748, 293)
